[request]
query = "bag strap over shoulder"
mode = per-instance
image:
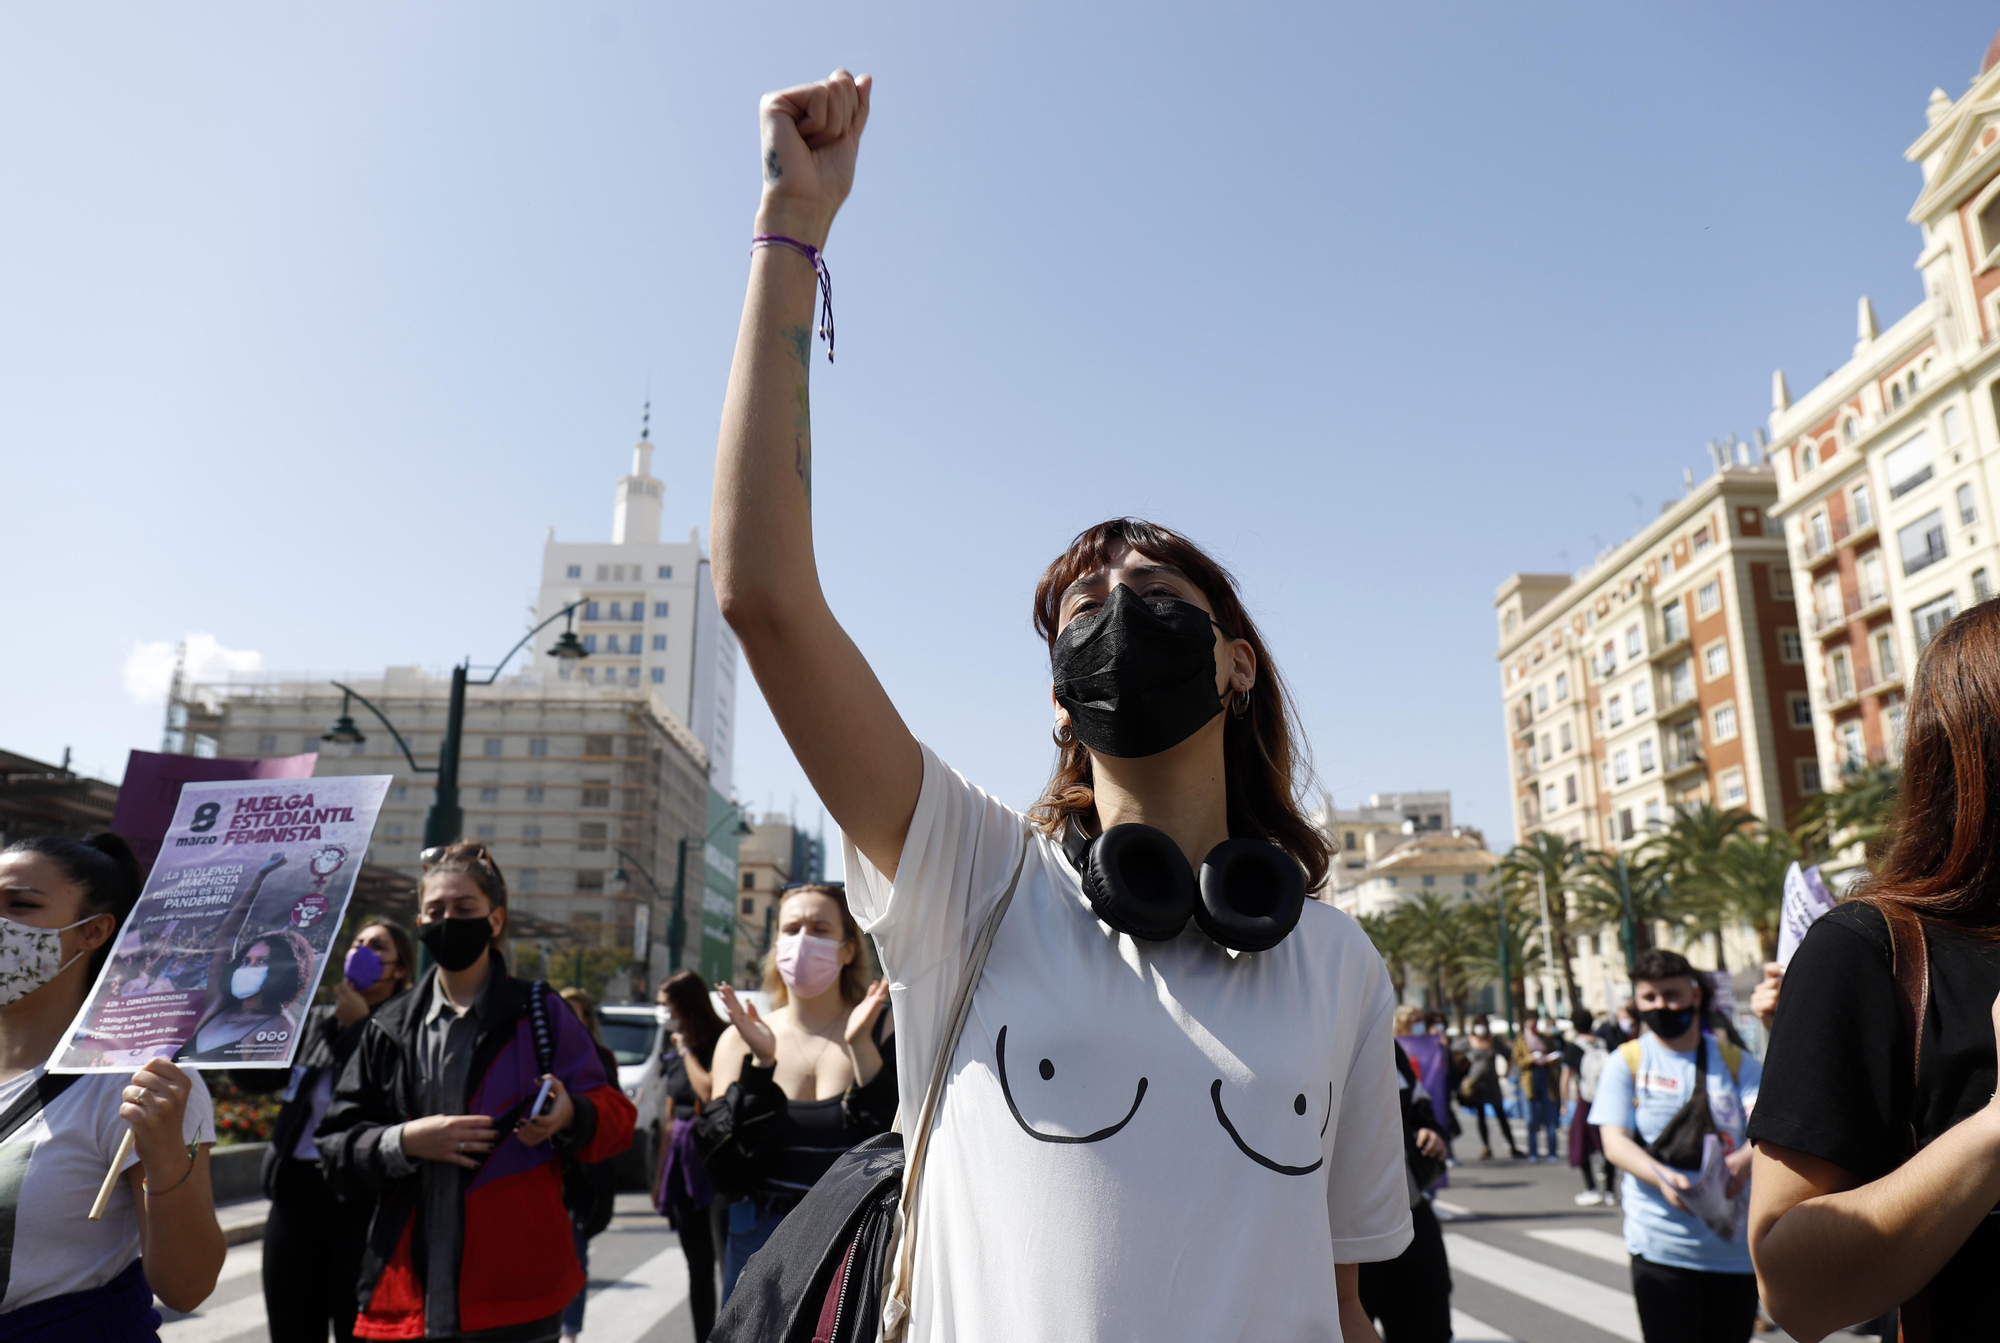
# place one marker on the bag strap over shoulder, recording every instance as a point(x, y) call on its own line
point(1910, 963)
point(30, 1102)
point(896, 1305)
point(538, 1027)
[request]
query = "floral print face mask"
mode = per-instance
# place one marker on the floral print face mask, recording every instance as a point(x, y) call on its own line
point(31, 957)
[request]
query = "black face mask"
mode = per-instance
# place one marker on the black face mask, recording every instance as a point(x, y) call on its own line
point(1138, 677)
point(456, 943)
point(1669, 1023)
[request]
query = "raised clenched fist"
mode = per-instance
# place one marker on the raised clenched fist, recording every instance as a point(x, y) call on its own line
point(810, 137)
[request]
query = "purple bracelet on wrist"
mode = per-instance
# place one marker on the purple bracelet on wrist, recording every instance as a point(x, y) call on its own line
point(823, 277)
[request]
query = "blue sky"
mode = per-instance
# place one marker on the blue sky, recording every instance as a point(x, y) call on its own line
point(312, 323)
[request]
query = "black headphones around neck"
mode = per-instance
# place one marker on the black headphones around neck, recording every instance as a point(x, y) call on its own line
point(1137, 880)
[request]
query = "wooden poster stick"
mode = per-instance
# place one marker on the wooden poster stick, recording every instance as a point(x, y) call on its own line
point(111, 1177)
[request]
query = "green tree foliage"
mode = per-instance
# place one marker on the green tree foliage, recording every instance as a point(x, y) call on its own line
point(1688, 852)
point(1861, 811)
point(1548, 859)
point(1481, 918)
point(1598, 902)
point(1749, 880)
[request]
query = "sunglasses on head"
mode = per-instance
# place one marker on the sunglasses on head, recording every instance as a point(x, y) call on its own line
point(462, 853)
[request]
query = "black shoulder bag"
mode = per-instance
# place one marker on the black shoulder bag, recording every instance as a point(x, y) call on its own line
point(1679, 1143)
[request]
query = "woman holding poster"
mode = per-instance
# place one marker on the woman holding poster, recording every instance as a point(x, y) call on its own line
point(66, 1277)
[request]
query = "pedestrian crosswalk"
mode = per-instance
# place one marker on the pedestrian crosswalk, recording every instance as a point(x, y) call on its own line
point(1602, 1308)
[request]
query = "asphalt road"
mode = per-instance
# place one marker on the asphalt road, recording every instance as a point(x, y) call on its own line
point(1528, 1266)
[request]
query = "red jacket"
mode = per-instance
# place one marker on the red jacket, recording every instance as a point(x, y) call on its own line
point(519, 1259)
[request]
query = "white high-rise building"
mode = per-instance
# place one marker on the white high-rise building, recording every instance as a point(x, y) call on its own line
point(648, 615)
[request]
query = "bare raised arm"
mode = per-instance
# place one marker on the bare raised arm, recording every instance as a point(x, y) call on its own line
point(848, 736)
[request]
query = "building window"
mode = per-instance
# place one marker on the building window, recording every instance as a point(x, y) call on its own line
point(1641, 701)
point(1732, 788)
point(535, 793)
point(1818, 534)
point(591, 835)
point(1542, 698)
point(394, 830)
point(1982, 586)
point(1430, 880)
point(1708, 599)
point(1861, 511)
point(1564, 741)
point(575, 571)
point(1896, 395)
point(1853, 750)
point(1931, 617)
point(1907, 465)
point(666, 571)
point(1874, 590)
point(749, 881)
point(1847, 429)
point(595, 797)
point(1547, 754)
point(659, 676)
point(1715, 660)
point(489, 794)
point(1790, 647)
point(538, 746)
point(1809, 459)
point(490, 746)
point(1954, 426)
point(1892, 723)
point(589, 880)
point(631, 676)
point(1616, 704)
point(1967, 513)
point(611, 644)
point(1922, 542)
point(659, 610)
point(590, 610)
point(1722, 723)
point(1839, 675)
point(597, 746)
point(1562, 686)
point(1702, 540)
point(589, 646)
point(531, 836)
point(1646, 761)
point(1667, 565)
point(1569, 798)
point(1624, 830)
point(484, 832)
point(267, 743)
point(1809, 777)
point(1634, 642)
point(1885, 654)
point(1799, 705)
point(1621, 766)
point(399, 793)
point(1680, 681)
point(659, 643)
point(617, 612)
point(1673, 622)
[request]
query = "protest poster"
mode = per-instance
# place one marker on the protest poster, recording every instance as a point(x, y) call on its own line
point(153, 784)
point(1806, 898)
point(217, 963)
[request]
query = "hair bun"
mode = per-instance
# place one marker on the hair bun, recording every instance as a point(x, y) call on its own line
point(114, 846)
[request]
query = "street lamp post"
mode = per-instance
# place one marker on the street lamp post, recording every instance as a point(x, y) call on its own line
point(1506, 963)
point(1629, 927)
point(619, 875)
point(444, 823)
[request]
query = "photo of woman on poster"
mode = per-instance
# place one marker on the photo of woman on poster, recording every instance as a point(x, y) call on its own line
point(256, 1012)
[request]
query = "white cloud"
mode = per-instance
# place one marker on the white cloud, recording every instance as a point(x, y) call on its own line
point(149, 667)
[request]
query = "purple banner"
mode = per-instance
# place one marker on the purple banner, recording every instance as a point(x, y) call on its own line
point(153, 786)
point(218, 962)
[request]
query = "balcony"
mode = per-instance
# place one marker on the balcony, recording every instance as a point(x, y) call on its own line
point(1853, 606)
point(1677, 643)
point(1680, 762)
point(1674, 706)
point(1818, 550)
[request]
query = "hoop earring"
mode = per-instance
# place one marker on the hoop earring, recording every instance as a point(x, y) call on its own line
point(1240, 705)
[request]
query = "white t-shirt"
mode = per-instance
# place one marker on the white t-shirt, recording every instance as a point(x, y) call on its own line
point(1183, 1142)
point(50, 1171)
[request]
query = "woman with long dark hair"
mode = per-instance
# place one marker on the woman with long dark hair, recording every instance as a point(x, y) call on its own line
point(681, 1191)
point(1877, 1131)
point(1173, 1057)
point(258, 1001)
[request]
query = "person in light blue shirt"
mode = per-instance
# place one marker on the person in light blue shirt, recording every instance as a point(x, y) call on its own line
point(1690, 1284)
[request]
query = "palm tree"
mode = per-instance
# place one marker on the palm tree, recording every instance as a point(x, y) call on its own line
point(1439, 945)
point(1547, 860)
point(1689, 850)
point(1481, 919)
point(1600, 902)
point(1394, 938)
point(1861, 811)
point(1750, 880)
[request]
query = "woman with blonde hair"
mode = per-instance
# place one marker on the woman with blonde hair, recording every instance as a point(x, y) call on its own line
point(816, 1063)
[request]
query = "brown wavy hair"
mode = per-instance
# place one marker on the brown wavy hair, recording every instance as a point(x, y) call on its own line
point(1265, 764)
point(855, 976)
point(1945, 861)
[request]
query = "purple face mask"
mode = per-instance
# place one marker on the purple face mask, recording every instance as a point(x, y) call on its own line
point(364, 968)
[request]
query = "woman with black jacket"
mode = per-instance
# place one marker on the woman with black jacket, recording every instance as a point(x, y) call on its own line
point(313, 1240)
point(681, 1191)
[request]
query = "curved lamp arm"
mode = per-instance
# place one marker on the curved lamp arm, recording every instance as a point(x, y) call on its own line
point(384, 720)
point(501, 665)
point(641, 868)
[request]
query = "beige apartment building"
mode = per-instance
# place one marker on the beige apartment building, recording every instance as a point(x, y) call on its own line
point(1885, 469)
point(1668, 672)
point(569, 784)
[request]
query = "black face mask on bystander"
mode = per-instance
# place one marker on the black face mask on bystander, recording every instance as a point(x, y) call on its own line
point(1669, 1023)
point(456, 943)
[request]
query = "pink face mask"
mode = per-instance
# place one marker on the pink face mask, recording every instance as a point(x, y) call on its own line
point(808, 964)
